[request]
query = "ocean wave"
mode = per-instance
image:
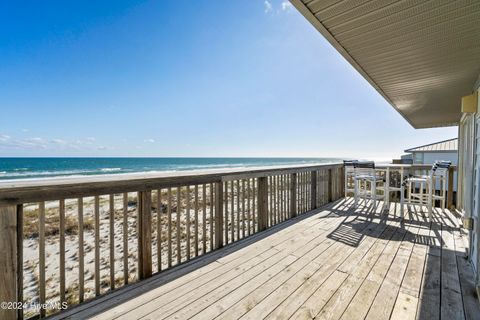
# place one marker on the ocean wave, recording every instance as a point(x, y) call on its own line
point(110, 169)
point(23, 172)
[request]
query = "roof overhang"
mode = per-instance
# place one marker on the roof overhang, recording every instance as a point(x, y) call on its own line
point(421, 56)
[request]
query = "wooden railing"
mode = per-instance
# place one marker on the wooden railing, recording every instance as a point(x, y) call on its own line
point(64, 242)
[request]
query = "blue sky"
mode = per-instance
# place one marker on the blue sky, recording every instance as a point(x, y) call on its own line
point(200, 78)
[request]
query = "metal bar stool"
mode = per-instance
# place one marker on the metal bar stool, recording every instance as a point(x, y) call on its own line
point(365, 174)
point(349, 167)
point(439, 172)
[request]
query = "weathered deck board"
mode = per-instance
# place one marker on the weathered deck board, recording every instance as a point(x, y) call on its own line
point(333, 263)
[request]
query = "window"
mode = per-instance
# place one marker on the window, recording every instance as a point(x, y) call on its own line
point(418, 158)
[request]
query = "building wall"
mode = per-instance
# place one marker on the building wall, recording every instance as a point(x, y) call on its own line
point(469, 182)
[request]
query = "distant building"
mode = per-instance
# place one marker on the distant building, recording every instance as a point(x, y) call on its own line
point(429, 153)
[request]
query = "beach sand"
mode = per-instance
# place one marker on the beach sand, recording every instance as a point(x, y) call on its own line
point(52, 247)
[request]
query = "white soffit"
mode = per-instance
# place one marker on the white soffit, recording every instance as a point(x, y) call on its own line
point(421, 56)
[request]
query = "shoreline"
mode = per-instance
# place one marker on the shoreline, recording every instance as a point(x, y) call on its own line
point(14, 183)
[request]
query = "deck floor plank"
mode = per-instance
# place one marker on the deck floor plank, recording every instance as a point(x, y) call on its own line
point(336, 262)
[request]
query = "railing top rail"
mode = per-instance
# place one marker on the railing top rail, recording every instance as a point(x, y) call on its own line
point(408, 166)
point(24, 191)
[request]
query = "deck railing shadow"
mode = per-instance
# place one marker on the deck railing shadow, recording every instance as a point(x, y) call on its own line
point(352, 232)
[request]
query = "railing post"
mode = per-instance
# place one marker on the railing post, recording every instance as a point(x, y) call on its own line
point(450, 188)
point(8, 259)
point(314, 189)
point(293, 196)
point(342, 181)
point(144, 234)
point(262, 204)
point(218, 215)
point(330, 186)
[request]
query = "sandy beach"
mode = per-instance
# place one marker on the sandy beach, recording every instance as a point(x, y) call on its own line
point(52, 247)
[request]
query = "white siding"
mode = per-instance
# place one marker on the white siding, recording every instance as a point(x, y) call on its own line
point(431, 157)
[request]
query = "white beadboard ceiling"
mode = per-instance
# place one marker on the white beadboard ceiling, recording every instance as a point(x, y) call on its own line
point(421, 56)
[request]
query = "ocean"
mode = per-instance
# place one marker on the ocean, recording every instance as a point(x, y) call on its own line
point(37, 168)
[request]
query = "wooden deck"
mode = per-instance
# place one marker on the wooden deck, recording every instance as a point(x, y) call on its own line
point(334, 263)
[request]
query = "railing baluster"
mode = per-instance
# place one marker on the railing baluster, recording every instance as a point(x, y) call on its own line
point(211, 216)
point(126, 274)
point(41, 258)
point(204, 213)
point(254, 195)
point(187, 217)
point(330, 185)
point(305, 192)
point(232, 211)
point(81, 257)
point(112, 240)
point(179, 211)
point(243, 208)
point(282, 195)
point(196, 220)
point(314, 188)
point(159, 230)
point(238, 209)
point(225, 197)
point(169, 213)
point(62, 249)
point(249, 214)
point(19, 261)
point(97, 245)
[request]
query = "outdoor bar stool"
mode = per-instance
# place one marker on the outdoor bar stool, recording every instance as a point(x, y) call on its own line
point(349, 169)
point(366, 175)
point(438, 172)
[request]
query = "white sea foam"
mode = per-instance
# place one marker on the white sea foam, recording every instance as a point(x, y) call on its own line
point(110, 169)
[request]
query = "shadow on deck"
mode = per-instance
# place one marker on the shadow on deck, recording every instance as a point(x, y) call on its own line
point(332, 263)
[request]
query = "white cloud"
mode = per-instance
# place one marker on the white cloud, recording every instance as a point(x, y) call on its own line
point(31, 143)
point(38, 143)
point(149, 140)
point(268, 6)
point(58, 141)
point(91, 139)
point(24, 130)
point(286, 5)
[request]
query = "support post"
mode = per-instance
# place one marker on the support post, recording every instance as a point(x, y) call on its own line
point(8, 259)
point(450, 188)
point(314, 189)
point(144, 234)
point(262, 204)
point(218, 215)
point(330, 186)
point(293, 196)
